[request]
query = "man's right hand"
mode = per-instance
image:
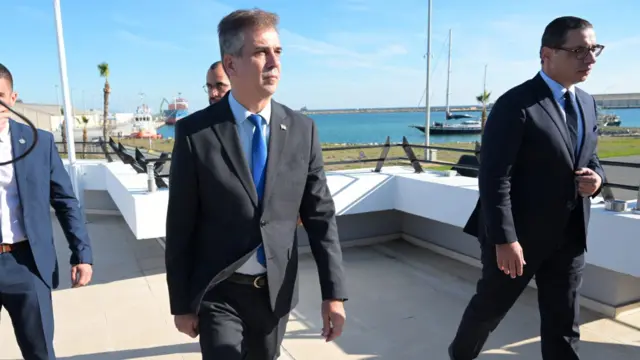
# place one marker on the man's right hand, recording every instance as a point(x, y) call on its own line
point(510, 259)
point(187, 324)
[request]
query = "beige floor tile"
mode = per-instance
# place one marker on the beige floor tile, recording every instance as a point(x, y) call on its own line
point(405, 302)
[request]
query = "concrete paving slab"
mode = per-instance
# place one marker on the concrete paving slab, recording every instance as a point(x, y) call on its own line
point(405, 303)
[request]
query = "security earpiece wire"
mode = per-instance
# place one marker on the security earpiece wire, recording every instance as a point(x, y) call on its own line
point(34, 130)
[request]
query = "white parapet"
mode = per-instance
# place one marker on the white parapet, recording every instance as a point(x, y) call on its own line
point(614, 238)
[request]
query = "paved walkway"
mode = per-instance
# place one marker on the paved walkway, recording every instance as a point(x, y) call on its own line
point(405, 304)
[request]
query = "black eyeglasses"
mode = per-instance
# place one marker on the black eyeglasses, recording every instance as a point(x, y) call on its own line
point(582, 51)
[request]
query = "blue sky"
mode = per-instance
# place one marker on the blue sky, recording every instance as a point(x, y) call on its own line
point(337, 53)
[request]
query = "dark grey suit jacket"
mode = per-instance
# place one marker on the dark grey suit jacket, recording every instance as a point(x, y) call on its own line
point(214, 221)
point(527, 184)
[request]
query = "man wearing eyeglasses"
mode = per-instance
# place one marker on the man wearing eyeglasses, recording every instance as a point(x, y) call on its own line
point(217, 83)
point(538, 171)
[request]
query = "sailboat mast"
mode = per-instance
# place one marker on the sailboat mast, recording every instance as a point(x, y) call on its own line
point(427, 125)
point(448, 76)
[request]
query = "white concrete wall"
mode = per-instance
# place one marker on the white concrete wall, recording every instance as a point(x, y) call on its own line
point(614, 238)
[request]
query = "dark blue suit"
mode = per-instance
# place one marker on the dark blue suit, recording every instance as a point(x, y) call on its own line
point(529, 194)
point(28, 273)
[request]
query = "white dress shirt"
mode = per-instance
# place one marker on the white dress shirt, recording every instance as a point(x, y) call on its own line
point(245, 132)
point(11, 222)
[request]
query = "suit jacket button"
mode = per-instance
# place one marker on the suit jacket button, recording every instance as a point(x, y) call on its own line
point(263, 223)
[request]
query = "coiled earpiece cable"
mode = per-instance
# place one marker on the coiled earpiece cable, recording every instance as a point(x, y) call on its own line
point(34, 130)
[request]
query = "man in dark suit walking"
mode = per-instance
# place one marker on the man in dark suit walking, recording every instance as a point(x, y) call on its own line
point(242, 169)
point(538, 169)
point(28, 263)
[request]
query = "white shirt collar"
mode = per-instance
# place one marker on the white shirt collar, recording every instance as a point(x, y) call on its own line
point(240, 113)
point(4, 134)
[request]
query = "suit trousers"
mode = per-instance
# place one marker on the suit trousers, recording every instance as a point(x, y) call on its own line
point(236, 323)
point(558, 276)
point(27, 300)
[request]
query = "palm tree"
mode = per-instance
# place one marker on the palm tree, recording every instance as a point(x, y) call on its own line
point(63, 128)
point(85, 136)
point(103, 68)
point(484, 100)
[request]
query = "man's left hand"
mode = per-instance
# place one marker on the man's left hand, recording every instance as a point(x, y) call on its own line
point(81, 275)
point(333, 317)
point(588, 181)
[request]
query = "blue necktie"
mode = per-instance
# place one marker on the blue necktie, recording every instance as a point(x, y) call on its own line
point(259, 164)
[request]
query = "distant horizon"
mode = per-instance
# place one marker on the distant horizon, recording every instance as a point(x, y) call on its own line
point(479, 106)
point(454, 106)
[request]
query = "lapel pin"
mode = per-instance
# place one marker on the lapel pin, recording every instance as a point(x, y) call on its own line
point(21, 141)
point(283, 126)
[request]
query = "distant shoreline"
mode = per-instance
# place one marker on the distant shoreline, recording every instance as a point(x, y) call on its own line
point(392, 110)
point(468, 108)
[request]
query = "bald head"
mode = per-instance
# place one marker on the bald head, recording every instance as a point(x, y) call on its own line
point(217, 82)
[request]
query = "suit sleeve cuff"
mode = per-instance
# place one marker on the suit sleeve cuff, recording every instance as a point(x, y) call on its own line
point(334, 294)
point(81, 258)
point(504, 239)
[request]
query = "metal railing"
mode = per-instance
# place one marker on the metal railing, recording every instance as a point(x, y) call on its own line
point(625, 165)
point(82, 149)
point(467, 165)
point(379, 161)
point(138, 161)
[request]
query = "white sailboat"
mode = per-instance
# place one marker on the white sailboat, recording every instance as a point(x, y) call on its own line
point(448, 114)
point(465, 127)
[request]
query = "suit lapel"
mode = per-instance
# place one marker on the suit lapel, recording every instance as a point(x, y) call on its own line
point(589, 120)
point(20, 141)
point(550, 105)
point(279, 125)
point(227, 133)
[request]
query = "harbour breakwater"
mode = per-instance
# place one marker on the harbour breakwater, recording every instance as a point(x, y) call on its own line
point(391, 110)
point(434, 109)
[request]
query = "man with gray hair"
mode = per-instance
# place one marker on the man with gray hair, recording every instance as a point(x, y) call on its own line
point(217, 82)
point(245, 168)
